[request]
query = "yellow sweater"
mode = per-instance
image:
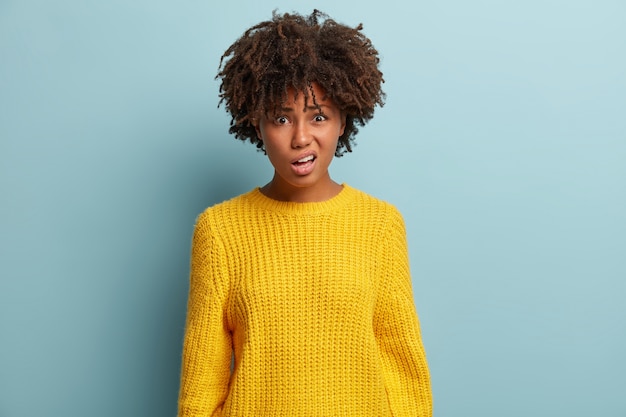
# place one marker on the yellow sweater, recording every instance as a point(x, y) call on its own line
point(302, 310)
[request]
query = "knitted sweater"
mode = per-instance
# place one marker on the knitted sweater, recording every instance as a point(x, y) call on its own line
point(302, 309)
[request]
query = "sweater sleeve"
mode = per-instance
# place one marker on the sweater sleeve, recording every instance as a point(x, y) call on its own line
point(396, 325)
point(207, 347)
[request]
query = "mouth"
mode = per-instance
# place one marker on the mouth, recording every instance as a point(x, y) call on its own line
point(305, 164)
point(304, 161)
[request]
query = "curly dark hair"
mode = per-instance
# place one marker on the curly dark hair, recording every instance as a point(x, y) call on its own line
point(294, 51)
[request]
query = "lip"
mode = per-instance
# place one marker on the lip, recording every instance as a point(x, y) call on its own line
point(304, 155)
point(306, 168)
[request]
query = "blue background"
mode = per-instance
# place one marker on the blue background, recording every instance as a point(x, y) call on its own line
point(503, 142)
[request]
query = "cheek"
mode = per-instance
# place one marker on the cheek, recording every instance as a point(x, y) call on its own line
point(271, 150)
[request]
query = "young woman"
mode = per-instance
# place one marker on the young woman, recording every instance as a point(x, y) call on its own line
point(300, 299)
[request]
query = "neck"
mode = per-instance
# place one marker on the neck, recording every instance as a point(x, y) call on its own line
point(278, 189)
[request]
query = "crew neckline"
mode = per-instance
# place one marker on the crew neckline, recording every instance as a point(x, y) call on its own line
point(342, 198)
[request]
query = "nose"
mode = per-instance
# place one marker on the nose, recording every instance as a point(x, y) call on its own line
point(302, 136)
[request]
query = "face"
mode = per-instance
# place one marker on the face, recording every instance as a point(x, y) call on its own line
point(301, 142)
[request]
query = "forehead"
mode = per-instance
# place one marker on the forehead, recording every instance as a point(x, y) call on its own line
point(313, 96)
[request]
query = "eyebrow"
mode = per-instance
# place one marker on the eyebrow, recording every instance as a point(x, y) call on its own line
point(320, 107)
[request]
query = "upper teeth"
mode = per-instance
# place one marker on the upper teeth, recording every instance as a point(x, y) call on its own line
point(306, 158)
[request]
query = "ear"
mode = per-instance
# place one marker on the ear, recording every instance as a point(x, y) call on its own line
point(343, 124)
point(255, 122)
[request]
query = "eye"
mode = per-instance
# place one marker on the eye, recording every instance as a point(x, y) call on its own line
point(281, 120)
point(319, 118)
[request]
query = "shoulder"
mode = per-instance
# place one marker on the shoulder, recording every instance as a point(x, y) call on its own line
point(225, 207)
point(385, 218)
point(377, 207)
point(218, 216)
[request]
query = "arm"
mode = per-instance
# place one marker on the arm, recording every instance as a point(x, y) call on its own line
point(207, 347)
point(397, 330)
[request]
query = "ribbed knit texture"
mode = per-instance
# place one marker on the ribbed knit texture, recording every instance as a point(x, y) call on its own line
point(315, 302)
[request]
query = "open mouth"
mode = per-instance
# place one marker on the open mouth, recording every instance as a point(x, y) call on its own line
point(304, 161)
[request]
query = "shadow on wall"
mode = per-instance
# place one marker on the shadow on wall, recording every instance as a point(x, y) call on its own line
point(216, 170)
